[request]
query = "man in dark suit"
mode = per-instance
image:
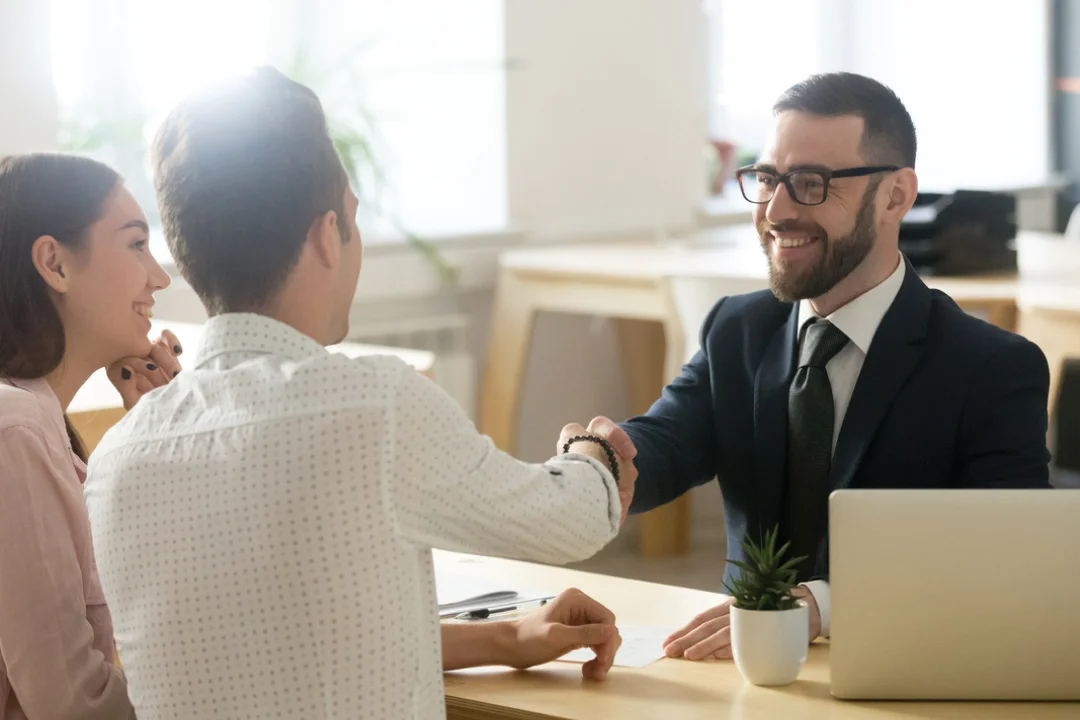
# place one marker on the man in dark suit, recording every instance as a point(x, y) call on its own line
point(850, 372)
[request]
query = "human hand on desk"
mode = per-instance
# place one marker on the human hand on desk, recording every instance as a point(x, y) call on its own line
point(572, 620)
point(803, 593)
point(133, 377)
point(708, 635)
point(621, 444)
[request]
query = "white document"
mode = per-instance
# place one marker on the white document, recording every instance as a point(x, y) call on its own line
point(455, 589)
point(457, 594)
point(641, 645)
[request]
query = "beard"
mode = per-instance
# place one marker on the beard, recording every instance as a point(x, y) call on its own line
point(839, 259)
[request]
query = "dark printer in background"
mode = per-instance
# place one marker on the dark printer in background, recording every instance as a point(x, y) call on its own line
point(966, 232)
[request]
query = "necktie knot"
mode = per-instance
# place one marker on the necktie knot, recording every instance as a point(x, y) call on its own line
point(821, 341)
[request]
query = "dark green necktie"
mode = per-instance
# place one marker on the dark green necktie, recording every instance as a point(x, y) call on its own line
point(811, 418)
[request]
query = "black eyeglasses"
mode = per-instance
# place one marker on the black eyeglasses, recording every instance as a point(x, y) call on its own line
point(806, 186)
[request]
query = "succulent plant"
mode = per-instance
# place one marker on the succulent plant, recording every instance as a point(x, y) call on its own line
point(766, 579)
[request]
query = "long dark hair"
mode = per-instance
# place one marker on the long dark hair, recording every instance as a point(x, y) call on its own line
point(42, 194)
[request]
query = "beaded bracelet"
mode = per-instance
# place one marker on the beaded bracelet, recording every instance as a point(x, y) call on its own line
point(602, 443)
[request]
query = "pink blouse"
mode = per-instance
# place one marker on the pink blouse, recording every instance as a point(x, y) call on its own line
point(56, 635)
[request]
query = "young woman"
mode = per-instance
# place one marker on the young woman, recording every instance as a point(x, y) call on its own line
point(77, 282)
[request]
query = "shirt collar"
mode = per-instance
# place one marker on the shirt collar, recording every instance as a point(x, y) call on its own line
point(253, 334)
point(859, 319)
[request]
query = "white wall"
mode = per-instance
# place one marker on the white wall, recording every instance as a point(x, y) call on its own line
point(28, 118)
point(605, 114)
point(606, 120)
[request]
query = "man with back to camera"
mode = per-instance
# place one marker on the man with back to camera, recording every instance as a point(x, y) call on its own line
point(263, 525)
point(850, 372)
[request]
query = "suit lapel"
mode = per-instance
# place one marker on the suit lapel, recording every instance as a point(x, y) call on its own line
point(770, 419)
point(895, 351)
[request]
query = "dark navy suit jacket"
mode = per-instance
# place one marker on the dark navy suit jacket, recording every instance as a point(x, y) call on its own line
point(943, 400)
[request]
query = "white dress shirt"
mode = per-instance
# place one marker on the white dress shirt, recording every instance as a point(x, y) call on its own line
point(859, 321)
point(263, 527)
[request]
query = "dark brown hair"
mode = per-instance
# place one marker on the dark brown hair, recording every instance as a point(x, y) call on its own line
point(888, 132)
point(42, 194)
point(241, 170)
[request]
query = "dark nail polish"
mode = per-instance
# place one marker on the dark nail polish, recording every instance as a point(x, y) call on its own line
point(125, 373)
point(151, 366)
point(177, 349)
point(177, 372)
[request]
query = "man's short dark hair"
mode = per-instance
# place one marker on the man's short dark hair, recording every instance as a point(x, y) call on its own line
point(888, 134)
point(241, 170)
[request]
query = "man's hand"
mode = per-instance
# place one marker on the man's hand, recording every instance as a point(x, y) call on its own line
point(707, 636)
point(803, 593)
point(134, 377)
point(572, 620)
point(620, 442)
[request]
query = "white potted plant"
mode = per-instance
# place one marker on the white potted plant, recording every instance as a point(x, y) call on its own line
point(770, 628)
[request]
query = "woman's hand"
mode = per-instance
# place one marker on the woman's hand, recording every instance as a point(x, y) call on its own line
point(134, 377)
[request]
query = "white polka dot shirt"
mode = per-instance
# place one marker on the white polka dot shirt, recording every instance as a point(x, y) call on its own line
point(263, 527)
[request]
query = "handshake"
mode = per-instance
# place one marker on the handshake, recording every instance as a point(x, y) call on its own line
point(620, 443)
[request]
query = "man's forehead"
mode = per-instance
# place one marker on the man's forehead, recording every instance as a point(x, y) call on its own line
point(799, 138)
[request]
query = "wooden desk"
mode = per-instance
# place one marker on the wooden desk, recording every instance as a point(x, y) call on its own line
point(673, 689)
point(627, 282)
point(97, 405)
point(1056, 329)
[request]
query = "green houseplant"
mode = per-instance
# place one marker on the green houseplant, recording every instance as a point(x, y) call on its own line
point(354, 133)
point(770, 627)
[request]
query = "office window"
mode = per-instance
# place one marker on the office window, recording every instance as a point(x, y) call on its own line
point(974, 74)
point(422, 80)
point(756, 50)
point(431, 74)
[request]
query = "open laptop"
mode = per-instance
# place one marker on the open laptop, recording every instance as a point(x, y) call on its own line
point(955, 594)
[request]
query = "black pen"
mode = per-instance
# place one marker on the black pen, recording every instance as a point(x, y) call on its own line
point(485, 613)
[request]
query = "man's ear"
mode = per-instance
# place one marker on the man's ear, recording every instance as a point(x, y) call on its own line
point(52, 261)
point(325, 240)
point(903, 189)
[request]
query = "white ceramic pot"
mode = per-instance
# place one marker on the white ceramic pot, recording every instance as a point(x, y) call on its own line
point(770, 645)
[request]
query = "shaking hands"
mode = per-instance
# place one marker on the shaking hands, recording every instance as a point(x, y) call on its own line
point(619, 441)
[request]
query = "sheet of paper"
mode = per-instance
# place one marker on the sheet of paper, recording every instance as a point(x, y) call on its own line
point(641, 645)
point(458, 594)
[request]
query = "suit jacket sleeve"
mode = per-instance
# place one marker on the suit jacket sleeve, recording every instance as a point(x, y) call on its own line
point(675, 439)
point(1002, 441)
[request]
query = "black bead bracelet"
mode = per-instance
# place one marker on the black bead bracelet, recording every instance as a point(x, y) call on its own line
point(602, 443)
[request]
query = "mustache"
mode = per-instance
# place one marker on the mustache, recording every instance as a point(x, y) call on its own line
point(765, 227)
